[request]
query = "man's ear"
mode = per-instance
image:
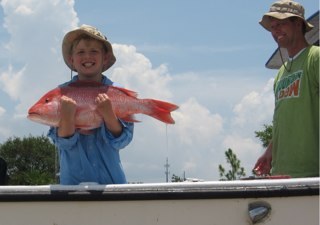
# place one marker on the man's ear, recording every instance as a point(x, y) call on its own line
point(299, 22)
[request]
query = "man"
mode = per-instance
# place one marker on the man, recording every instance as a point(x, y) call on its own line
point(294, 148)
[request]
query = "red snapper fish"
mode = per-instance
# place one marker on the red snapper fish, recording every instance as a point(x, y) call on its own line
point(124, 103)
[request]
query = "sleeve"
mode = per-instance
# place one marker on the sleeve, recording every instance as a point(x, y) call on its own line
point(62, 143)
point(123, 140)
point(316, 65)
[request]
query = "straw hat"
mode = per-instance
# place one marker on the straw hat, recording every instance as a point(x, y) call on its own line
point(283, 10)
point(92, 32)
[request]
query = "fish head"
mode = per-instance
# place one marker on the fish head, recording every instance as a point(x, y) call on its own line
point(47, 109)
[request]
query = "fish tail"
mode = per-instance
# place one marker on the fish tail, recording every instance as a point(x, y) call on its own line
point(162, 110)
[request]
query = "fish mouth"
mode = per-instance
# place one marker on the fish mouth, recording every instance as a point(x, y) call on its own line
point(32, 114)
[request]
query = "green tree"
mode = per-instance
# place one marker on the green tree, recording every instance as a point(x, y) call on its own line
point(236, 171)
point(176, 178)
point(31, 160)
point(265, 135)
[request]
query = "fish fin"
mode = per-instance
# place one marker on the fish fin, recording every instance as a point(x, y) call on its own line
point(127, 91)
point(129, 118)
point(80, 83)
point(162, 110)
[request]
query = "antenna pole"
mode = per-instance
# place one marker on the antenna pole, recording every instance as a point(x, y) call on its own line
point(167, 165)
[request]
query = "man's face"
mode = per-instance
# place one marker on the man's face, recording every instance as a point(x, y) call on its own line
point(283, 31)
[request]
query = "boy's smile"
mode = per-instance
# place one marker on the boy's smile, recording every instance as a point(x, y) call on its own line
point(88, 64)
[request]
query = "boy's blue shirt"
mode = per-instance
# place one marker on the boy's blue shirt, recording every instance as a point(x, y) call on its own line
point(94, 157)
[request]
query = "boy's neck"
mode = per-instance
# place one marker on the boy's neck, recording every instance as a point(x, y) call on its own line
point(97, 78)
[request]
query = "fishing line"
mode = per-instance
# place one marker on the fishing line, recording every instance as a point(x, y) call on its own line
point(167, 145)
point(167, 140)
point(167, 165)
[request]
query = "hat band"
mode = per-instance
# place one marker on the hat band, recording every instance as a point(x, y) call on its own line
point(286, 9)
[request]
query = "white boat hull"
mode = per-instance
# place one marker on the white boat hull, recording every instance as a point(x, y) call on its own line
point(291, 201)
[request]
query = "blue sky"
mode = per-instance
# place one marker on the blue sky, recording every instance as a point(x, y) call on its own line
point(206, 56)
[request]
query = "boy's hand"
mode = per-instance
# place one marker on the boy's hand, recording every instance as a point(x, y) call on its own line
point(104, 107)
point(68, 107)
point(67, 119)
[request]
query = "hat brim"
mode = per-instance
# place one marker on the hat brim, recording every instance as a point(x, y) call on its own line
point(265, 21)
point(72, 35)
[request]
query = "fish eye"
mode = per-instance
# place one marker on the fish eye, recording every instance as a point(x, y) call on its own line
point(47, 100)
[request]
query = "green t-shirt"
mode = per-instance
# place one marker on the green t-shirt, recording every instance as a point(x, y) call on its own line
point(296, 117)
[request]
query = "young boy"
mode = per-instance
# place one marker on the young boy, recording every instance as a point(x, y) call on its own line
point(94, 156)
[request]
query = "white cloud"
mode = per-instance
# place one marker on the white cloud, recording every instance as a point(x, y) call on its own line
point(255, 107)
point(12, 82)
point(2, 111)
point(4, 132)
point(133, 70)
point(195, 123)
point(23, 10)
point(250, 113)
point(35, 29)
point(205, 123)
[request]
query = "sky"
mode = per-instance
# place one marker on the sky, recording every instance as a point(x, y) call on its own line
point(206, 56)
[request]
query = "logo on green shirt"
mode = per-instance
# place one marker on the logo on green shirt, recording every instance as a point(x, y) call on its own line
point(288, 86)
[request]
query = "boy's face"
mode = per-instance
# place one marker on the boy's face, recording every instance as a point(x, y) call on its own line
point(88, 58)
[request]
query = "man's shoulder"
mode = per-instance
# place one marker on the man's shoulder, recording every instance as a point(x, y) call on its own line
point(314, 49)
